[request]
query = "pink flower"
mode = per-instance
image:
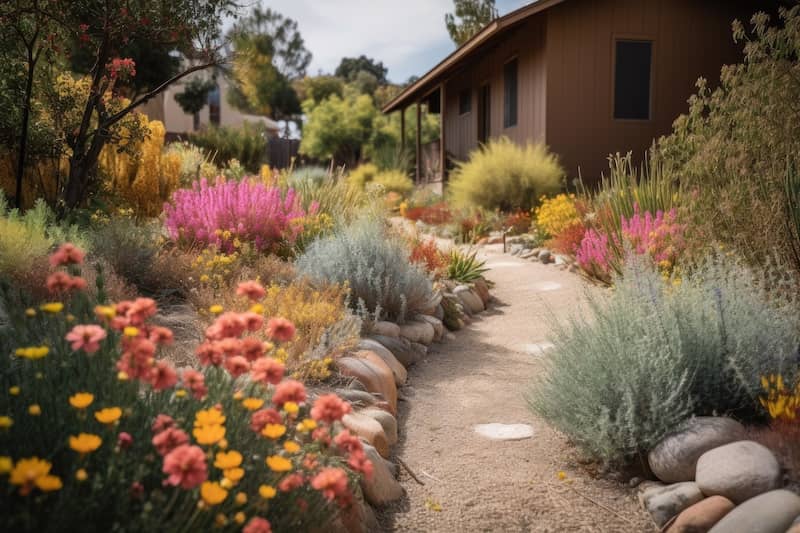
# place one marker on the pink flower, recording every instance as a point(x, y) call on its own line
point(162, 422)
point(262, 417)
point(196, 382)
point(161, 335)
point(289, 391)
point(86, 337)
point(209, 354)
point(139, 310)
point(226, 325)
point(332, 482)
point(253, 321)
point(251, 289)
point(291, 482)
point(67, 254)
point(162, 376)
point(169, 439)
point(257, 525)
point(280, 329)
point(185, 467)
point(267, 370)
point(124, 440)
point(237, 366)
point(63, 282)
point(329, 408)
point(252, 348)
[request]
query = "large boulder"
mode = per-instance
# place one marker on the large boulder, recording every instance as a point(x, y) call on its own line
point(770, 512)
point(369, 429)
point(386, 420)
point(471, 301)
point(418, 331)
point(402, 349)
point(675, 457)
point(438, 327)
point(376, 376)
point(382, 487)
point(357, 397)
point(739, 471)
point(399, 371)
point(389, 329)
point(702, 516)
point(482, 288)
point(356, 518)
point(663, 503)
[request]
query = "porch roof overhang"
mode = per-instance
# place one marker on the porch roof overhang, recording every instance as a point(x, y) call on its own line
point(428, 83)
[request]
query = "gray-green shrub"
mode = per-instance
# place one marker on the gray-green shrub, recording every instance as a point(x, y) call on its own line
point(374, 264)
point(656, 351)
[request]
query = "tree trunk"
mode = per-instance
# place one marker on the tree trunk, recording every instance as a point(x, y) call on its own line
point(23, 138)
point(196, 121)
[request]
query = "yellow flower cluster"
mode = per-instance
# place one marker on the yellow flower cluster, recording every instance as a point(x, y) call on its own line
point(209, 426)
point(214, 268)
point(554, 215)
point(781, 401)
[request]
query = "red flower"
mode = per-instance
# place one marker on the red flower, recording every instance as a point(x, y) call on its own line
point(63, 282)
point(252, 348)
point(169, 439)
point(332, 482)
point(237, 366)
point(226, 325)
point(67, 254)
point(162, 422)
point(196, 382)
point(185, 467)
point(209, 354)
point(291, 482)
point(267, 370)
point(329, 408)
point(253, 321)
point(263, 417)
point(160, 335)
point(280, 329)
point(257, 525)
point(251, 289)
point(124, 440)
point(289, 391)
point(162, 376)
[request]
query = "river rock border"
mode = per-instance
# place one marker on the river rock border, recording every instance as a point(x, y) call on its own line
point(377, 368)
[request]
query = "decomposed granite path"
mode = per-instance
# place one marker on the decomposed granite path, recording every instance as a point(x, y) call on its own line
point(473, 483)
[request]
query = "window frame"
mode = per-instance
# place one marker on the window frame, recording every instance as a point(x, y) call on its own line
point(506, 122)
point(633, 37)
point(468, 93)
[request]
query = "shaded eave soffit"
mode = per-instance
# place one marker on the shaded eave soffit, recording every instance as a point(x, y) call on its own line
point(427, 83)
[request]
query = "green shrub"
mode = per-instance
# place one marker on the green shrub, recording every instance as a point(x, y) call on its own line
point(465, 267)
point(375, 266)
point(363, 175)
point(334, 196)
point(504, 175)
point(394, 181)
point(247, 144)
point(657, 351)
point(129, 248)
point(316, 176)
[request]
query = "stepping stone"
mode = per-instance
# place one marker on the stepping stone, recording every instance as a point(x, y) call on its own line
point(539, 348)
point(497, 431)
point(545, 286)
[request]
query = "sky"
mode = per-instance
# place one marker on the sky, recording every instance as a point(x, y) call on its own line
point(408, 36)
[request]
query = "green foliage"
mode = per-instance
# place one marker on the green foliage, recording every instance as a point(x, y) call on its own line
point(657, 351)
point(394, 181)
point(375, 266)
point(319, 88)
point(338, 128)
point(363, 175)
point(247, 144)
point(129, 248)
point(732, 147)
point(465, 267)
point(469, 18)
point(350, 67)
point(334, 196)
point(503, 175)
point(316, 175)
point(194, 96)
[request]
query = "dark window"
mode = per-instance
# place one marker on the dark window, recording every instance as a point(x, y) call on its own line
point(214, 106)
point(464, 102)
point(632, 80)
point(510, 94)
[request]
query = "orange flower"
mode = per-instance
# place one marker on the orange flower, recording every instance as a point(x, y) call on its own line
point(280, 329)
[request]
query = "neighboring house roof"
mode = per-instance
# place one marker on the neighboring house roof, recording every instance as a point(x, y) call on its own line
point(428, 82)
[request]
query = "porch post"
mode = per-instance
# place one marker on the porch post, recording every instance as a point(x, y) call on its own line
point(419, 142)
point(403, 129)
point(442, 140)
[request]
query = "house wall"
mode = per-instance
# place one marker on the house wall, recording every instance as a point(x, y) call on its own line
point(527, 43)
point(691, 38)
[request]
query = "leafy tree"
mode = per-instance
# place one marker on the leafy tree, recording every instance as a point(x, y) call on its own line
point(318, 88)
point(350, 67)
point(194, 97)
point(468, 19)
point(270, 55)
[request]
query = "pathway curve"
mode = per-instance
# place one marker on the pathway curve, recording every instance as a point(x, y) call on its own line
point(476, 484)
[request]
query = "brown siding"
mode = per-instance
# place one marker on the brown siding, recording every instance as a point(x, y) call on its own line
point(691, 38)
point(527, 43)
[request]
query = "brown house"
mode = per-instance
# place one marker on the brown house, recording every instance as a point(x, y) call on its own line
point(586, 77)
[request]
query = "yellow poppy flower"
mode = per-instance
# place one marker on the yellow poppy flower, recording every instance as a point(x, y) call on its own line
point(6, 422)
point(291, 407)
point(241, 498)
point(81, 400)
point(291, 446)
point(14, 391)
point(122, 376)
point(209, 434)
point(81, 475)
point(130, 331)
point(216, 309)
point(85, 442)
point(32, 352)
point(251, 404)
point(180, 393)
point(48, 483)
point(34, 409)
point(106, 311)
point(306, 425)
point(234, 474)
point(30, 312)
point(212, 493)
point(267, 492)
point(225, 460)
point(52, 307)
point(209, 417)
point(273, 431)
point(257, 309)
point(6, 464)
point(109, 415)
point(238, 395)
point(239, 517)
point(276, 463)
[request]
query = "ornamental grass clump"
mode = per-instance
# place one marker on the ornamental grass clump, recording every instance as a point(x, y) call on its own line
point(97, 430)
point(657, 351)
point(229, 211)
point(375, 265)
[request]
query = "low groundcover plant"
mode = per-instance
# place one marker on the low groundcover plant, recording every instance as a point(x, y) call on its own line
point(98, 434)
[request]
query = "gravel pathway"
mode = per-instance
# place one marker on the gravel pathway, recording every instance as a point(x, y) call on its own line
point(473, 483)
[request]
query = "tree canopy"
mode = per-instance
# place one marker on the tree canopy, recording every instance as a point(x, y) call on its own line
point(468, 18)
point(350, 67)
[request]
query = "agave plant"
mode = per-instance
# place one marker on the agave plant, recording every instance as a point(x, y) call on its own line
point(465, 267)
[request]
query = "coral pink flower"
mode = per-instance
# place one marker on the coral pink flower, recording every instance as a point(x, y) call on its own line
point(124, 440)
point(291, 482)
point(289, 391)
point(161, 335)
point(253, 321)
point(209, 354)
point(226, 325)
point(332, 482)
point(262, 417)
point(348, 442)
point(237, 366)
point(251, 289)
point(329, 408)
point(196, 382)
point(358, 461)
point(86, 337)
point(252, 348)
point(162, 376)
point(63, 282)
point(267, 370)
point(67, 254)
point(322, 435)
point(185, 467)
point(280, 329)
point(167, 440)
point(257, 525)
point(162, 422)
point(140, 309)
point(230, 346)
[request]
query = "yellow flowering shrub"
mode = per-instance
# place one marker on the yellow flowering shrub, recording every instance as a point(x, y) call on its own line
point(781, 401)
point(554, 215)
point(216, 269)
